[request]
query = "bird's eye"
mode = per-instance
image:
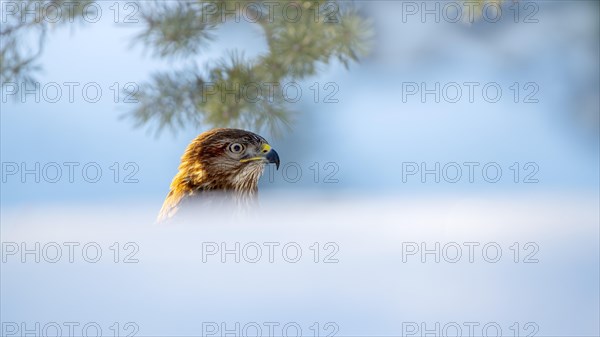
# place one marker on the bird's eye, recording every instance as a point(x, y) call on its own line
point(236, 148)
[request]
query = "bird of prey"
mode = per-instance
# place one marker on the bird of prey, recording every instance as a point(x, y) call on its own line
point(218, 165)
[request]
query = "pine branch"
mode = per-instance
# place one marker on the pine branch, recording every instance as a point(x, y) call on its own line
point(296, 49)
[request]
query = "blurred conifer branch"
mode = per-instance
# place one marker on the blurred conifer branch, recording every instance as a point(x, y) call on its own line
point(297, 45)
point(299, 40)
point(18, 61)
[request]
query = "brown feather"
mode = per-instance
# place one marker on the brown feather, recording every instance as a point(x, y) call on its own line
point(208, 169)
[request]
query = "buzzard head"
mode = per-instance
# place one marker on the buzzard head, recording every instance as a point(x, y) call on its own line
point(227, 161)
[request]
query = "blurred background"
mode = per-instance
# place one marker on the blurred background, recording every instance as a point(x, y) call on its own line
point(398, 88)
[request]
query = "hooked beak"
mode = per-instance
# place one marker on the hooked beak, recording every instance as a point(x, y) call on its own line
point(270, 155)
point(266, 153)
point(273, 157)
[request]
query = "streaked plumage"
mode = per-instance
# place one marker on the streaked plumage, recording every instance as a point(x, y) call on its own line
point(219, 165)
